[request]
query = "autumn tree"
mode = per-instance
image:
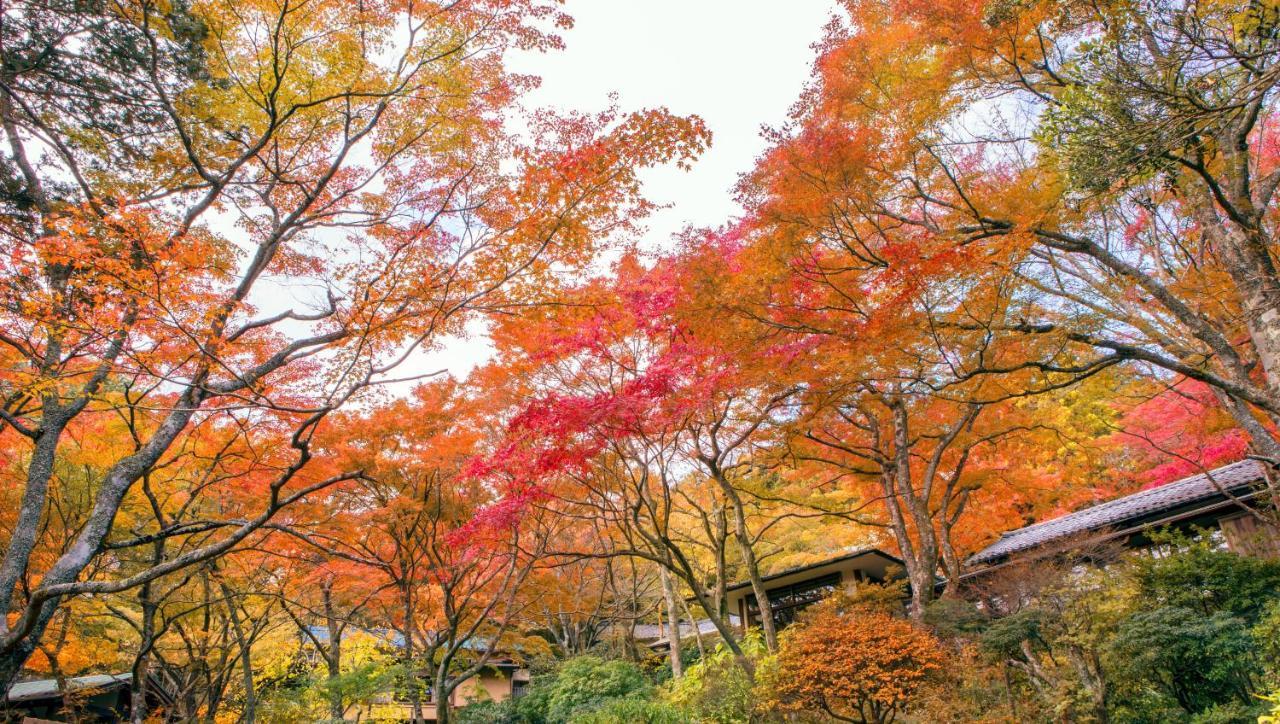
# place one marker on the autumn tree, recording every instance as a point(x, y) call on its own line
point(326, 598)
point(595, 444)
point(632, 406)
point(168, 171)
point(1059, 188)
point(872, 425)
point(579, 603)
point(437, 557)
point(854, 665)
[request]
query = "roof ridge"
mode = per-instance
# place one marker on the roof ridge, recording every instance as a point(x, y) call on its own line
point(1114, 502)
point(1183, 491)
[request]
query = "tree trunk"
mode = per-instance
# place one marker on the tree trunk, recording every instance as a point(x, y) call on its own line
point(720, 594)
point(415, 687)
point(443, 694)
point(920, 557)
point(918, 576)
point(1249, 263)
point(142, 662)
point(697, 630)
point(1090, 673)
point(767, 624)
point(35, 493)
point(246, 655)
point(743, 535)
point(674, 651)
point(333, 653)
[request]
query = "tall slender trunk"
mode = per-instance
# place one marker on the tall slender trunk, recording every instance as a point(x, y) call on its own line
point(920, 556)
point(918, 575)
point(34, 497)
point(141, 669)
point(1249, 263)
point(415, 688)
point(674, 652)
point(950, 559)
point(742, 533)
point(767, 624)
point(679, 566)
point(246, 656)
point(697, 630)
point(720, 592)
point(333, 654)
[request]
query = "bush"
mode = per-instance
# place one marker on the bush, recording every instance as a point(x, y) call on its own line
point(1202, 577)
point(633, 711)
point(854, 665)
point(1184, 636)
point(1199, 661)
point(1231, 713)
point(489, 712)
point(580, 686)
point(717, 689)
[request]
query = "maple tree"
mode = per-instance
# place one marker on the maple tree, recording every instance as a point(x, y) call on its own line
point(1003, 259)
point(448, 560)
point(1052, 189)
point(575, 602)
point(324, 603)
point(876, 428)
point(633, 406)
point(150, 208)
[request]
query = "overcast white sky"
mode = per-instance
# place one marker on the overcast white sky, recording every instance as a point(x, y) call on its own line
point(739, 64)
point(736, 63)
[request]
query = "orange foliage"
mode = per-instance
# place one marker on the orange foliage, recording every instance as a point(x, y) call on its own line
point(859, 666)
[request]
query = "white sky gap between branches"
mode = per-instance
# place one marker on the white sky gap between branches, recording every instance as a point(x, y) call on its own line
point(739, 64)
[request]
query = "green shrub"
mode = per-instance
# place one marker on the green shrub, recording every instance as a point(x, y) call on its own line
point(532, 707)
point(579, 686)
point(1200, 576)
point(1190, 634)
point(633, 711)
point(951, 617)
point(489, 712)
point(1197, 660)
point(1234, 712)
point(1267, 633)
point(717, 688)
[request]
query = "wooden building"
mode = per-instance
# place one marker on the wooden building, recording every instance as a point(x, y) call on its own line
point(97, 698)
point(1231, 499)
point(792, 590)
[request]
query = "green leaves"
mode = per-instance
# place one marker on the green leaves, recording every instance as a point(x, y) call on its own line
point(1202, 577)
point(1198, 661)
point(582, 685)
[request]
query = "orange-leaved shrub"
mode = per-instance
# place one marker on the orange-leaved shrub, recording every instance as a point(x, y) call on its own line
point(855, 664)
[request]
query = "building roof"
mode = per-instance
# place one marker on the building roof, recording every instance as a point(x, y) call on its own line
point(48, 688)
point(1130, 509)
point(818, 564)
point(645, 631)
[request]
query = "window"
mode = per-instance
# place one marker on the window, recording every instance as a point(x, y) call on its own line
point(789, 600)
point(519, 688)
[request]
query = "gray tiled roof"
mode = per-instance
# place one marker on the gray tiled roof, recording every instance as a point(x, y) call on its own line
point(653, 631)
point(1128, 508)
point(46, 688)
